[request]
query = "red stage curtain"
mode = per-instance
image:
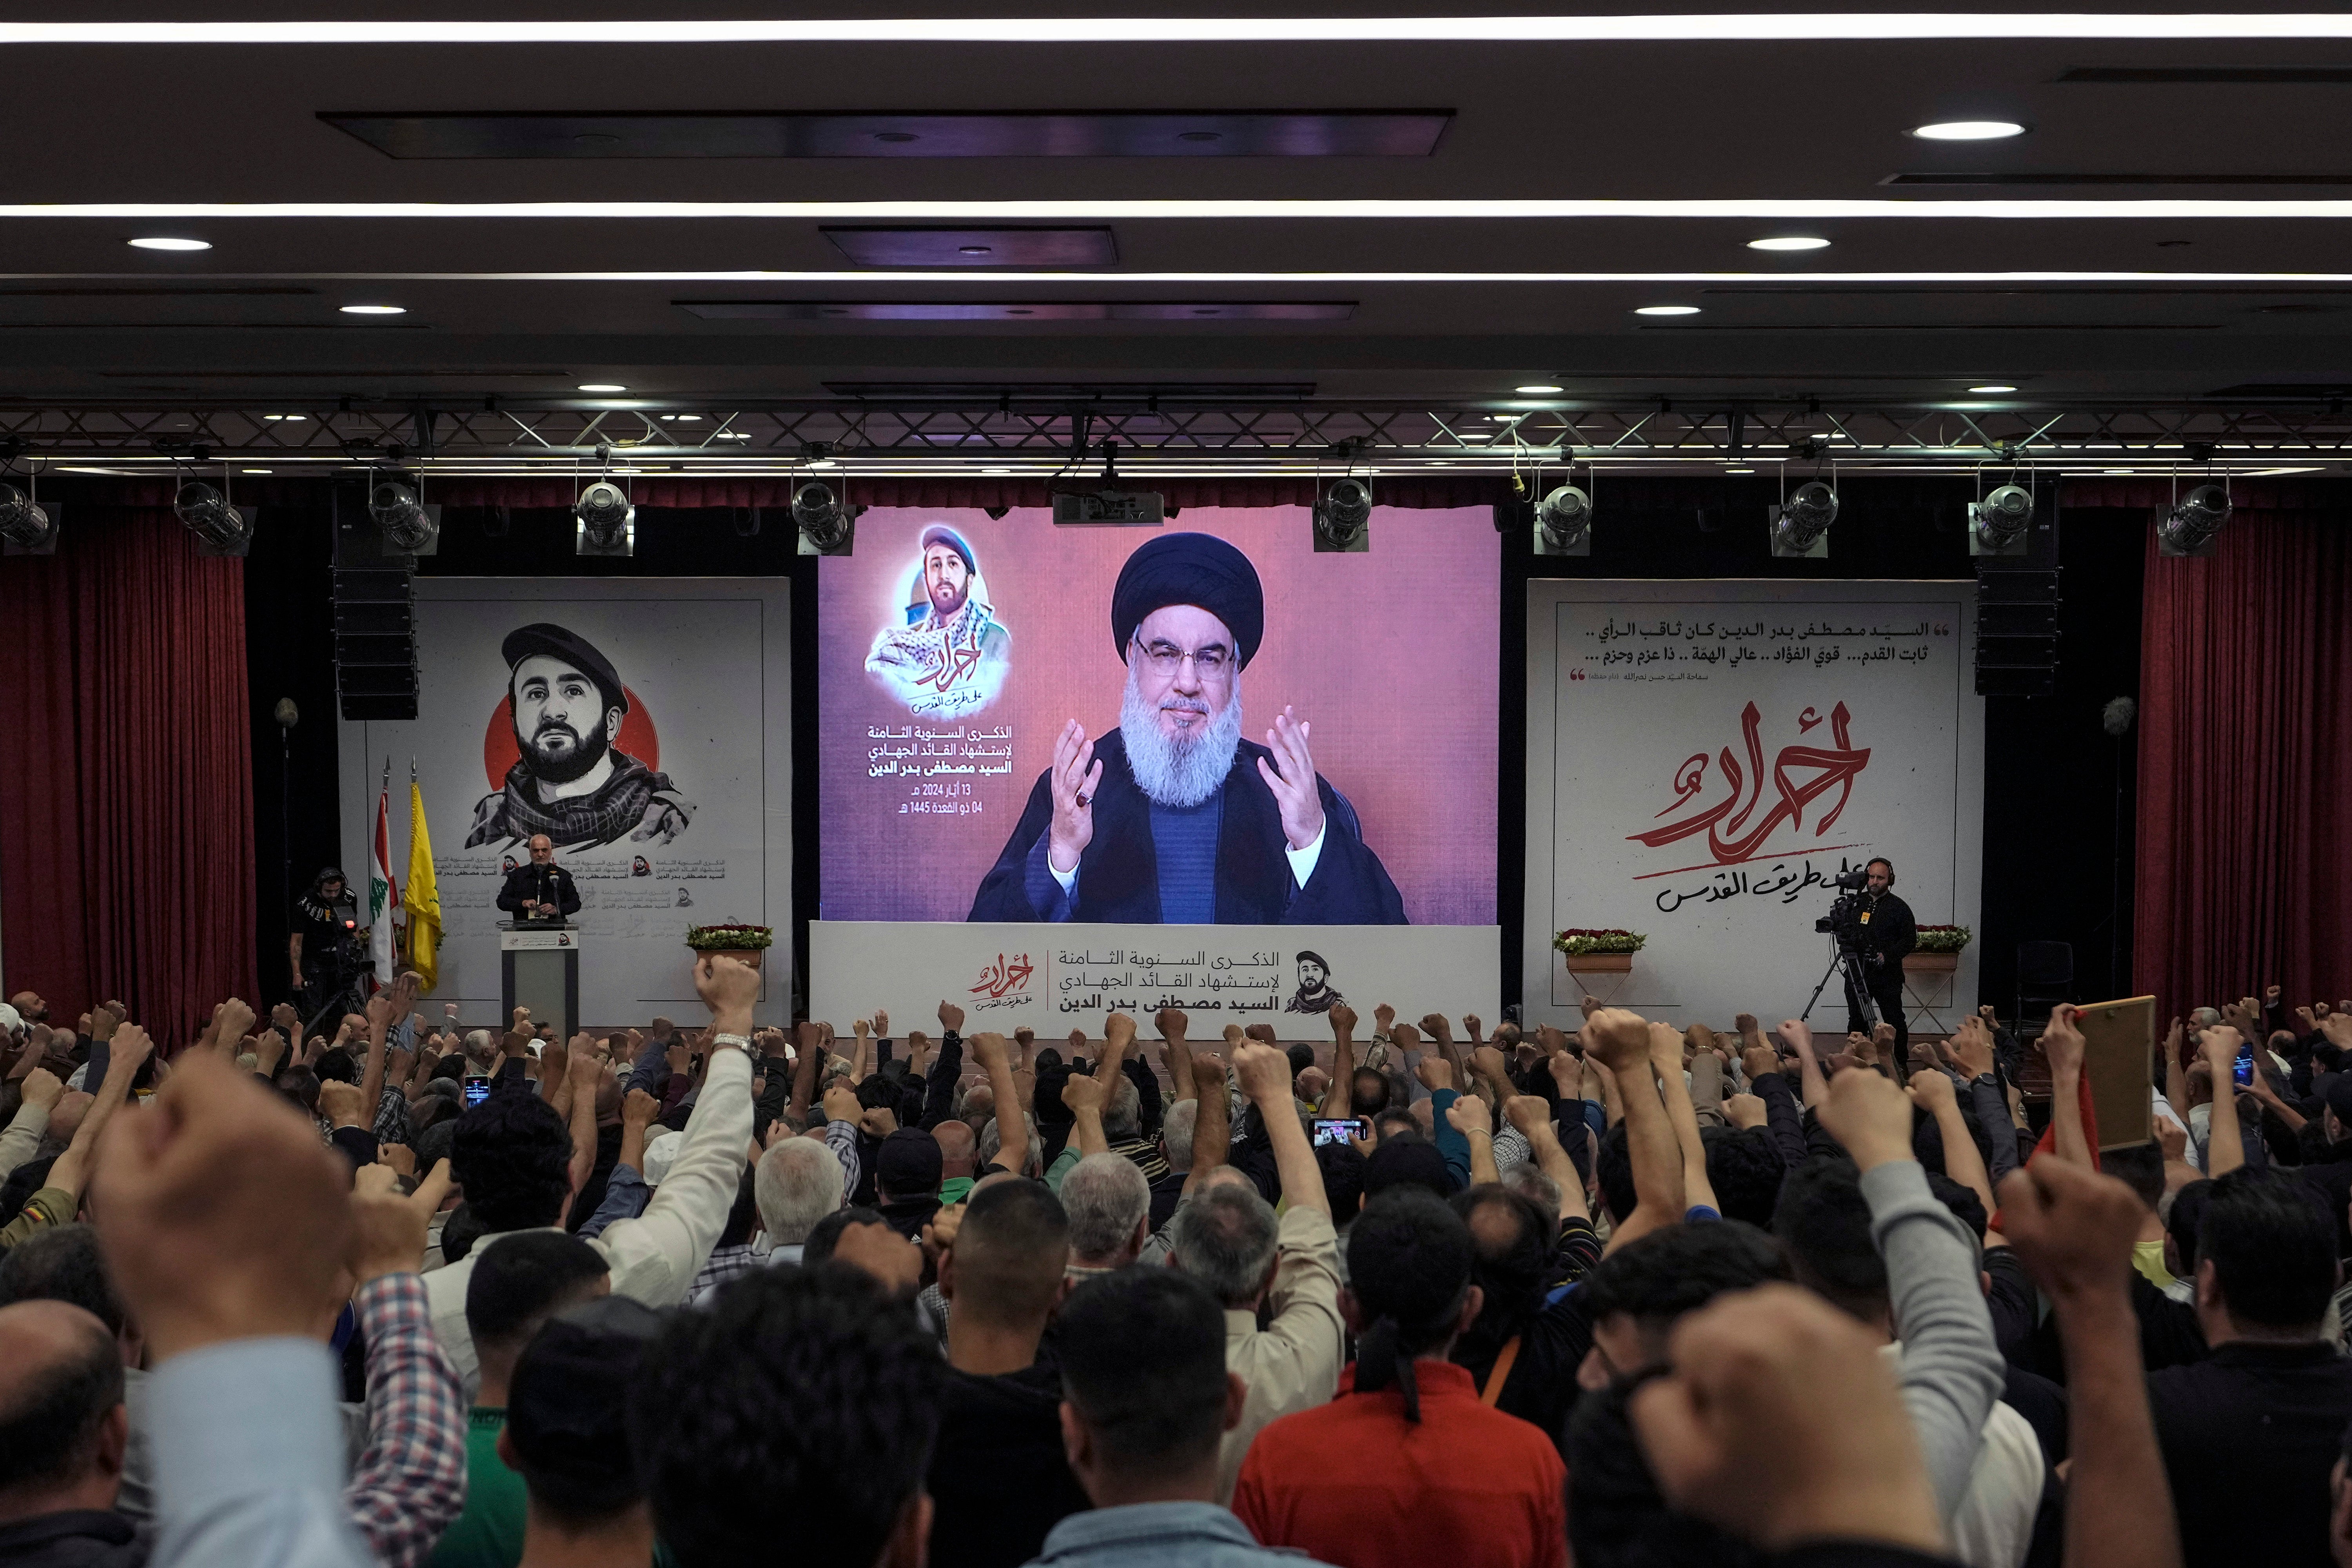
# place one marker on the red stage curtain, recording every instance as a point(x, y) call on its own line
point(2246, 765)
point(126, 794)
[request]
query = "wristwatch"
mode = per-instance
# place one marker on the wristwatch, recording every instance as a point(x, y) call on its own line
point(740, 1042)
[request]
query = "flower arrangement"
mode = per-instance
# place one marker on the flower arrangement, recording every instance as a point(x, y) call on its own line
point(1576, 940)
point(730, 938)
point(1942, 939)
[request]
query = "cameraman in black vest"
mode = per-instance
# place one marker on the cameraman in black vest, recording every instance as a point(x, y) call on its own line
point(1880, 930)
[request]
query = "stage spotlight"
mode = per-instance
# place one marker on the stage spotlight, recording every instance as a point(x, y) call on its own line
point(25, 523)
point(2193, 527)
point(1998, 524)
point(1564, 522)
point(605, 523)
point(220, 528)
point(1343, 516)
point(826, 527)
point(408, 527)
point(1800, 524)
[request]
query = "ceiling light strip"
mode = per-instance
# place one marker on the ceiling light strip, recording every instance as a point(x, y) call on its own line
point(1143, 210)
point(1796, 282)
point(1754, 27)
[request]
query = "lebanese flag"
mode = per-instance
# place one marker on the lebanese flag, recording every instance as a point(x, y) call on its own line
point(384, 893)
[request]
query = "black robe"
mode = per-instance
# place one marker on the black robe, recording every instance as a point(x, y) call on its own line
point(1119, 875)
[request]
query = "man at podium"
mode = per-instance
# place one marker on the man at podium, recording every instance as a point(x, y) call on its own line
point(539, 894)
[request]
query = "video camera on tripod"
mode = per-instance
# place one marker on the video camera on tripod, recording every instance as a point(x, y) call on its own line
point(1849, 885)
point(1841, 926)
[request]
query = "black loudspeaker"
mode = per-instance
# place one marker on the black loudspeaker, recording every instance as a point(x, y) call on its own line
point(2017, 610)
point(375, 617)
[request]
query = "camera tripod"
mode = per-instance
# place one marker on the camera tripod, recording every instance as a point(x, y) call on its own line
point(344, 986)
point(1844, 959)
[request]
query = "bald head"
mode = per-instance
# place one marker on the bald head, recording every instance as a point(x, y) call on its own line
point(61, 1409)
point(957, 1146)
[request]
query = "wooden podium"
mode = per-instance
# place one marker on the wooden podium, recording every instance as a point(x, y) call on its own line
point(539, 968)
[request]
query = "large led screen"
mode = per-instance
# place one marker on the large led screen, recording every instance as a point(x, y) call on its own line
point(1208, 722)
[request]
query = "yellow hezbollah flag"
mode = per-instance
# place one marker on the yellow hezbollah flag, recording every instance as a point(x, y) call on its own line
point(424, 894)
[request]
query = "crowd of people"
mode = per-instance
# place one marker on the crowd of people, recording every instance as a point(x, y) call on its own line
point(1627, 1296)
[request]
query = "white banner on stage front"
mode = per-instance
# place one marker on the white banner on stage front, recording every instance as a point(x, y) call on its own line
point(1705, 757)
point(1056, 977)
point(688, 822)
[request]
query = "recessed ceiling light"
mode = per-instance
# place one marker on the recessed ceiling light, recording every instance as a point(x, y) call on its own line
point(1738, 470)
point(731, 434)
point(822, 463)
point(1665, 311)
point(974, 249)
point(684, 418)
point(1988, 390)
point(602, 387)
point(375, 310)
point(289, 418)
point(1789, 242)
point(165, 242)
point(256, 470)
point(996, 471)
point(1537, 391)
point(2122, 470)
point(1969, 131)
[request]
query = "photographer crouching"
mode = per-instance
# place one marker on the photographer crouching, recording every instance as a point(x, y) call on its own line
point(1879, 928)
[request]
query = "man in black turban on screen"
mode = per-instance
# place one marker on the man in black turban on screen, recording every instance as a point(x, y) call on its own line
point(1175, 818)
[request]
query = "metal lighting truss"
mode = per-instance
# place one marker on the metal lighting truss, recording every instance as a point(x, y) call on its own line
point(1162, 434)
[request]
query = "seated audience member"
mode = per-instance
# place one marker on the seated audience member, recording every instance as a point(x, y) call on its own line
point(2264, 1414)
point(67, 1265)
point(841, 1477)
point(798, 1182)
point(1406, 1466)
point(567, 1435)
point(998, 1479)
point(518, 1283)
point(1230, 1239)
point(1109, 1207)
point(63, 1430)
point(1146, 1397)
point(513, 1154)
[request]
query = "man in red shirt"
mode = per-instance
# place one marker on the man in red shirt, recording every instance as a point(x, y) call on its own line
point(1410, 1465)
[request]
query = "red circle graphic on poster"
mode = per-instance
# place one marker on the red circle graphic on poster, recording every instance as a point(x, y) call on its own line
point(500, 752)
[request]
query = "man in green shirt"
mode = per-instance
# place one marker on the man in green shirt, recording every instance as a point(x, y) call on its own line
point(522, 1280)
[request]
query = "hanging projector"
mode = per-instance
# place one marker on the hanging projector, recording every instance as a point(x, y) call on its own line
point(28, 527)
point(1110, 506)
point(1564, 522)
point(1800, 524)
point(1343, 516)
point(1997, 525)
point(605, 521)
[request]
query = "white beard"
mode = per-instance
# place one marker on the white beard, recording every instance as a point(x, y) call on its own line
point(1187, 770)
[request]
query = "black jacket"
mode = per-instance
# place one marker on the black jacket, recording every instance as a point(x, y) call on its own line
point(1889, 930)
point(74, 1538)
point(529, 884)
point(1119, 875)
point(999, 1481)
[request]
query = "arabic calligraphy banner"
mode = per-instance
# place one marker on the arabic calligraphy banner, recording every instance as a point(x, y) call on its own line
point(677, 816)
point(1703, 758)
point(954, 647)
point(1055, 978)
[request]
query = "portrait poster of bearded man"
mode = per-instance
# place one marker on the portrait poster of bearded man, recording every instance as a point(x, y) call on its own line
point(950, 654)
point(572, 782)
point(1172, 817)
